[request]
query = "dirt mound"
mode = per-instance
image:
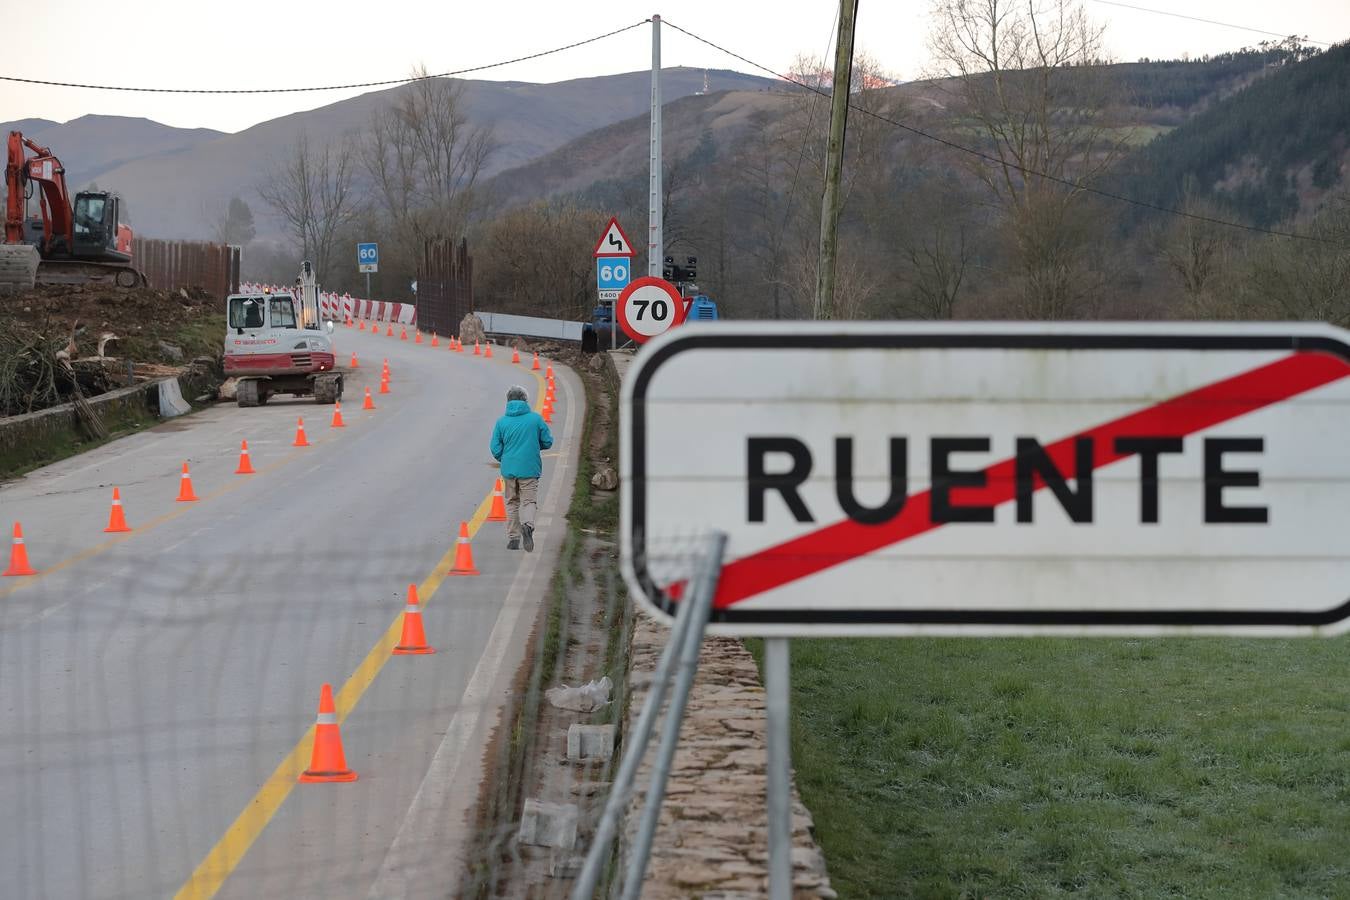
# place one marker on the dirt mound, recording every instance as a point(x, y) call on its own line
point(97, 330)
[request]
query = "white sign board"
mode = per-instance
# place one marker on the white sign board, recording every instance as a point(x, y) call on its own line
point(973, 478)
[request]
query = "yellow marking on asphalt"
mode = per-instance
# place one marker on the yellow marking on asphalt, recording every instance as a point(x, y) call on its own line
point(210, 875)
point(225, 856)
point(90, 552)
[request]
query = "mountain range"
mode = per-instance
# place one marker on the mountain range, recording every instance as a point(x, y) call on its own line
point(176, 180)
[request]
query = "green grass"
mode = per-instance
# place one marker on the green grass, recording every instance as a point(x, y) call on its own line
point(1102, 768)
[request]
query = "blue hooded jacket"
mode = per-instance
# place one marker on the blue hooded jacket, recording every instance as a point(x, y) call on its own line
point(517, 439)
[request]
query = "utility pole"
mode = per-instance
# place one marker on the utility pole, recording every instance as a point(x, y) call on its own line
point(655, 243)
point(834, 159)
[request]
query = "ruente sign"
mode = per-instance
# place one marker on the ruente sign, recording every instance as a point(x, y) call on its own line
point(902, 478)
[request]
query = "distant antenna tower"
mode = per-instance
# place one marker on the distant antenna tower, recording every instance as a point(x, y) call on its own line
point(705, 85)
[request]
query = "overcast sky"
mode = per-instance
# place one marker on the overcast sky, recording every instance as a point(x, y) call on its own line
point(284, 43)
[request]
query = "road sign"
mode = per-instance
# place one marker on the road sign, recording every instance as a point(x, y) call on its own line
point(612, 274)
point(613, 242)
point(995, 479)
point(368, 257)
point(649, 307)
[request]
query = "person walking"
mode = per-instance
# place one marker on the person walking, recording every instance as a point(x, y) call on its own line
point(517, 439)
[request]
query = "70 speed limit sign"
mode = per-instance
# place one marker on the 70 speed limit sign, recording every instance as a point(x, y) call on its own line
point(649, 307)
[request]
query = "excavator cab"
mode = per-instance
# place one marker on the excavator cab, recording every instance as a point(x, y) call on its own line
point(99, 231)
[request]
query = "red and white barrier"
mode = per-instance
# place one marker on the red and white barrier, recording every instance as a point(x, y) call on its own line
point(338, 306)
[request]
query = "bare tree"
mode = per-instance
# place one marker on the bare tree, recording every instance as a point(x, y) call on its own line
point(539, 260)
point(424, 157)
point(1026, 74)
point(311, 190)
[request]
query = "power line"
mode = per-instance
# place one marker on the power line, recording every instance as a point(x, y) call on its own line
point(1100, 192)
point(1176, 15)
point(327, 87)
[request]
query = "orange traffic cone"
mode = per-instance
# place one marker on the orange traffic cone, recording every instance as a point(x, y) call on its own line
point(515, 355)
point(487, 354)
point(384, 384)
point(369, 404)
point(361, 325)
point(384, 370)
point(463, 554)
point(354, 363)
point(535, 367)
point(435, 341)
point(498, 511)
point(245, 464)
point(547, 413)
point(337, 416)
point(18, 555)
point(300, 439)
point(418, 339)
point(117, 520)
point(549, 374)
point(327, 761)
point(185, 493)
point(402, 333)
point(477, 350)
point(390, 332)
point(459, 345)
point(414, 640)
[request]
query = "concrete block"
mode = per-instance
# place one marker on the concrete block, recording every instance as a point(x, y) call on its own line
point(171, 402)
point(590, 742)
point(544, 824)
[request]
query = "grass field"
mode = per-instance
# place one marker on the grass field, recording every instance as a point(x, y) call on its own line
point(1101, 768)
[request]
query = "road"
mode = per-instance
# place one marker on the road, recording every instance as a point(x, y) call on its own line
point(157, 689)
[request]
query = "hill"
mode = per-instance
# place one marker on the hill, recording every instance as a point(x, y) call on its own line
point(91, 145)
point(1271, 152)
point(173, 184)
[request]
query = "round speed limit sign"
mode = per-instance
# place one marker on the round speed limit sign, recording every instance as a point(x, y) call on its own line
point(648, 307)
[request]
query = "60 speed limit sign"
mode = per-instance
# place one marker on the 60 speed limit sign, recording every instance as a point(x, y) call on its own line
point(649, 307)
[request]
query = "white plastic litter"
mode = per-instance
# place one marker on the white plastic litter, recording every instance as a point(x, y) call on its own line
point(583, 698)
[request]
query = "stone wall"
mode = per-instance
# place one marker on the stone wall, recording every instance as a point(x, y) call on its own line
point(29, 439)
point(712, 840)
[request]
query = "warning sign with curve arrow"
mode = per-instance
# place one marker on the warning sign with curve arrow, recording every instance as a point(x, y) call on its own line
point(613, 242)
point(902, 478)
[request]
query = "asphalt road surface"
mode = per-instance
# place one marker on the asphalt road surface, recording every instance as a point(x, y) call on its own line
point(158, 689)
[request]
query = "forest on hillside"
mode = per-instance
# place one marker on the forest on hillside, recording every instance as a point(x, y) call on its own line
point(1028, 185)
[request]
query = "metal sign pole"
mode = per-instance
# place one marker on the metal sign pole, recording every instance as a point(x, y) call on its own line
point(367, 285)
point(776, 680)
point(655, 242)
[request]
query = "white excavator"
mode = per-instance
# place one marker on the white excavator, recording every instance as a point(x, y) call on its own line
point(277, 343)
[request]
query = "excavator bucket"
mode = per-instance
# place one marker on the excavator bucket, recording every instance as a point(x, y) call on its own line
point(18, 267)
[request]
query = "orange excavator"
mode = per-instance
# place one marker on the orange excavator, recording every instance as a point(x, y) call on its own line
point(84, 242)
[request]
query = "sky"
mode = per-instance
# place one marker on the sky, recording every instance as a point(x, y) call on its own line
point(294, 43)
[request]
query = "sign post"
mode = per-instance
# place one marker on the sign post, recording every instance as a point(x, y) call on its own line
point(901, 479)
point(613, 270)
point(368, 260)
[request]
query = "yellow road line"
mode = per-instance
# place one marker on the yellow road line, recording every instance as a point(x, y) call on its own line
point(91, 552)
point(225, 856)
point(210, 875)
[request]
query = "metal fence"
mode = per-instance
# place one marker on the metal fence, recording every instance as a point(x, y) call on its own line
point(170, 265)
point(444, 286)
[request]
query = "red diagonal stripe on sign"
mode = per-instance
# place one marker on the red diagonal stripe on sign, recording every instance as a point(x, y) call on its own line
point(1180, 416)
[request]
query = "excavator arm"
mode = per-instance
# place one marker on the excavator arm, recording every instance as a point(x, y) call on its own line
point(46, 170)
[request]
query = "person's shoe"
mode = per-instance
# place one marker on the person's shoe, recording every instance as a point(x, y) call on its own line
point(527, 530)
point(513, 544)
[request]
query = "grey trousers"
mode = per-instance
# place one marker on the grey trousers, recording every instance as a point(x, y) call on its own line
point(521, 503)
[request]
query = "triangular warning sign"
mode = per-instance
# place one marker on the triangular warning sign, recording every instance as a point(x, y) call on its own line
point(613, 242)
